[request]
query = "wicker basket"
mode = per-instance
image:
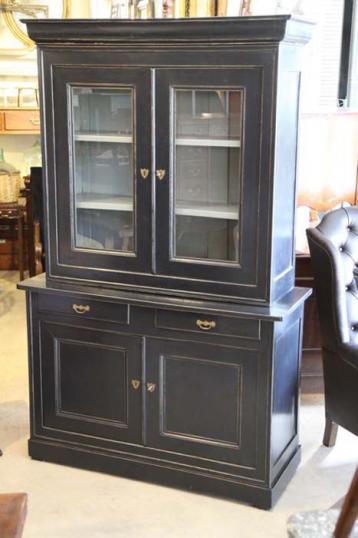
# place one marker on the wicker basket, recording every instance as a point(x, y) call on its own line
point(9, 187)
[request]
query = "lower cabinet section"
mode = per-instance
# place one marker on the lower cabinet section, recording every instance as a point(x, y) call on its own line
point(197, 410)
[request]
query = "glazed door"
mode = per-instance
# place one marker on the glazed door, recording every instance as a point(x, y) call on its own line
point(102, 159)
point(90, 382)
point(201, 400)
point(207, 165)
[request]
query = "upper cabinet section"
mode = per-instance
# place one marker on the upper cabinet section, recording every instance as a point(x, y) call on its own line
point(165, 164)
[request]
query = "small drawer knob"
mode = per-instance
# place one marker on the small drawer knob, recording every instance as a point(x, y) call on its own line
point(80, 308)
point(205, 325)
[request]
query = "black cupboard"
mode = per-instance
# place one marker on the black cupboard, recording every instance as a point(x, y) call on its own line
point(165, 337)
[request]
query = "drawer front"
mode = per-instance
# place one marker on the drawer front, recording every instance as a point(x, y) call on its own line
point(22, 120)
point(206, 323)
point(84, 308)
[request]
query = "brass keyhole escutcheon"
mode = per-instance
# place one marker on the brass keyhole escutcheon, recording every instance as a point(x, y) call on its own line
point(160, 174)
point(135, 384)
point(151, 387)
point(80, 308)
point(205, 325)
point(144, 172)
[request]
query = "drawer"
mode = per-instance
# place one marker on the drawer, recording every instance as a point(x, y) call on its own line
point(84, 308)
point(206, 323)
point(21, 120)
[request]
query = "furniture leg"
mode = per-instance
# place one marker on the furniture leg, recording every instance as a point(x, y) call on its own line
point(330, 433)
point(20, 236)
point(349, 512)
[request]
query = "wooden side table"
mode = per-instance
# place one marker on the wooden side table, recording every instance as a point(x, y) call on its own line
point(311, 371)
point(15, 212)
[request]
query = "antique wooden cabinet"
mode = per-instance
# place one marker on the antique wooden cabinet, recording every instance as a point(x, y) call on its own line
point(165, 339)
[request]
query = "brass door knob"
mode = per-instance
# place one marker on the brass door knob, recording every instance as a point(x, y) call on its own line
point(80, 308)
point(144, 172)
point(151, 387)
point(205, 325)
point(135, 384)
point(160, 174)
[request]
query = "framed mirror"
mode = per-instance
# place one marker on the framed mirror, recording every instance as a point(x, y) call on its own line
point(15, 10)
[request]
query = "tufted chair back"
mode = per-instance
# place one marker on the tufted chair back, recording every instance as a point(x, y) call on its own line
point(334, 254)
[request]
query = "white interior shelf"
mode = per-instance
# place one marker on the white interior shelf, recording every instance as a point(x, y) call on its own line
point(90, 137)
point(207, 210)
point(208, 142)
point(104, 201)
point(187, 209)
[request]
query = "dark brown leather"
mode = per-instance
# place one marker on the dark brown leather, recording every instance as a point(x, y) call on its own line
point(334, 253)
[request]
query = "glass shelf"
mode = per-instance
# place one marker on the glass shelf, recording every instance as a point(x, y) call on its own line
point(90, 137)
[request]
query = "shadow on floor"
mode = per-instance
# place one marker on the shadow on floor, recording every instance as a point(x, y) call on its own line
point(14, 422)
point(7, 301)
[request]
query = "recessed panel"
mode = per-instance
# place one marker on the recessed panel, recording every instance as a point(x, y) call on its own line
point(284, 403)
point(92, 381)
point(201, 400)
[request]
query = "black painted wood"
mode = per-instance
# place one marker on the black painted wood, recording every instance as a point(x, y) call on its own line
point(146, 366)
point(86, 382)
point(204, 401)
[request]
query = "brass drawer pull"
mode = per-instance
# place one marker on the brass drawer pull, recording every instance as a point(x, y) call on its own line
point(34, 121)
point(144, 172)
point(151, 387)
point(205, 325)
point(160, 174)
point(80, 308)
point(135, 384)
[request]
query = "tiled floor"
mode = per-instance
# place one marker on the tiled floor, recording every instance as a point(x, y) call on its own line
point(70, 503)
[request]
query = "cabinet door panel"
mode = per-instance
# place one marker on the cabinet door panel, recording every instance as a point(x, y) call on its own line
point(102, 142)
point(87, 382)
point(208, 126)
point(204, 402)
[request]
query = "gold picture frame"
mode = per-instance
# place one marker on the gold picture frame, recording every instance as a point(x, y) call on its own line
point(14, 27)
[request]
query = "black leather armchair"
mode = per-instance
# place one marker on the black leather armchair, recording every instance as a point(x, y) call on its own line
point(334, 254)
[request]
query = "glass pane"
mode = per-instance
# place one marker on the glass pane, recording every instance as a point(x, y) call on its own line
point(207, 154)
point(103, 168)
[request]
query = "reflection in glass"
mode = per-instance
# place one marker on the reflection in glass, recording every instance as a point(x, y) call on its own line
point(207, 153)
point(103, 168)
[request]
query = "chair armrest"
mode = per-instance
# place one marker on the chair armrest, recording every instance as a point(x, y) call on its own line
point(349, 353)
